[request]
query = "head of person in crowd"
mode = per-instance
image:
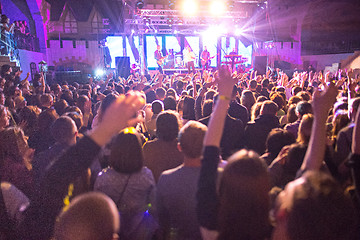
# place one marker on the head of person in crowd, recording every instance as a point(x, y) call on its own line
point(339, 121)
point(255, 110)
point(253, 85)
point(278, 99)
point(305, 96)
point(353, 107)
point(247, 99)
point(76, 117)
point(84, 103)
point(261, 99)
point(305, 127)
point(207, 108)
point(314, 207)
point(46, 119)
point(20, 103)
point(64, 130)
point(291, 114)
point(170, 103)
point(276, 140)
point(210, 94)
point(55, 89)
point(190, 140)
point(46, 101)
point(89, 216)
point(105, 104)
point(126, 152)
point(4, 117)
point(171, 93)
point(269, 108)
point(157, 107)
point(14, 145)
point(243, 194)
point(60, 106)
point(150, 96)
point(160, 93)
point(6, 68)
point(294, 100)
point(167, 126)
point(295, 90)
point(29, 115)
point(189, 108)
point(265, 83)
point(303, 108)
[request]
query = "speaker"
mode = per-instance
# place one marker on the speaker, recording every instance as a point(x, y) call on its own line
point(282, 65)
point(260, 63)
point(122, 66)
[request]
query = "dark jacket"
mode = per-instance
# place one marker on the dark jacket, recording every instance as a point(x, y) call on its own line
point(233, 136)
point(256, 132)
point(40, 216)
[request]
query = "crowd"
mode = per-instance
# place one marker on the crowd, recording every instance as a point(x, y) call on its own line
point(210, 155)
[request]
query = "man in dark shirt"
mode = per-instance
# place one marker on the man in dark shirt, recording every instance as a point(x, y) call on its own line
point(205, 59)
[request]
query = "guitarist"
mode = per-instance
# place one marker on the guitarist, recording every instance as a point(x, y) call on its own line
point(159, 58)
point(205, 59)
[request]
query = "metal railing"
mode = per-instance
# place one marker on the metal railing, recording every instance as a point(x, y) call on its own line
point(8, 47)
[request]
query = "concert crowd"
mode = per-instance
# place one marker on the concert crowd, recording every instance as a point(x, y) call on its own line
point(210, 155)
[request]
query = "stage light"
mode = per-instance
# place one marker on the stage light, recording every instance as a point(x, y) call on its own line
point(238, 32)
point(156, 30)
point(217, 7)
point(176, 32)
point(99, 72)
point(132, 31)
point(190, 7)
point(140, 4)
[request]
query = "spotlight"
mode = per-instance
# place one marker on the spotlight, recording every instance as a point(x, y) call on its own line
point(140, 4)
point(176, 32)
point(189, 7)
point(238, 32)
point(132, 31)
point(99, 72)
point(217, 7)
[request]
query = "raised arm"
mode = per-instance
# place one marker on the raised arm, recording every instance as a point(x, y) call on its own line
point(206, 196)
point(322, 102)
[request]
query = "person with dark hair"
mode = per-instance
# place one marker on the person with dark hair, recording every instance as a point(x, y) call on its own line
point(160, 93)
point(176, 189)
point(42, 139)
point(89, 216)
point(169, 103)
point(64, 132)
point(162, 153)
point(156, 107)
point(15, 160)
point(301, 109)
point(276, 140)
point(188, 110)
point(256, 132)
point(239, 209)
point(314, 206)
point(128, 183)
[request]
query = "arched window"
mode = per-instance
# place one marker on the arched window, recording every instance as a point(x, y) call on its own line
point(97, 24)
point(70, 24)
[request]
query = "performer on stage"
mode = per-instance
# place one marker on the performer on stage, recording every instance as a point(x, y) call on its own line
point(159, 58)
point(189, 58)
point(205, 59)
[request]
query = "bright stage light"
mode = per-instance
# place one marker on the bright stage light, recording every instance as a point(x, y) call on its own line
point(217, 7)
point(238, 32)
point(132, 31)
point(176, 32)
point(190, 7)
point(99, 72)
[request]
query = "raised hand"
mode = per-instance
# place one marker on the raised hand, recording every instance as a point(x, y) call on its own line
point(120, 114)
point(225, 81)
point(323, 101)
